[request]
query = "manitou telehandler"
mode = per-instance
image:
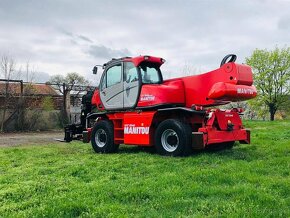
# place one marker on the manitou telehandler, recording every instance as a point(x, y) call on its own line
point(135, 106)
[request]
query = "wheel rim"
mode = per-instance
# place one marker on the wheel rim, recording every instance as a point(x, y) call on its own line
point(101, 138)
point(169, 140)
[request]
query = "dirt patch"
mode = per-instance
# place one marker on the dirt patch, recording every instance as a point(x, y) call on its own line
point(36, 138)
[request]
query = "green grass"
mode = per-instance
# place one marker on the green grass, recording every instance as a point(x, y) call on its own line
point(69, 180)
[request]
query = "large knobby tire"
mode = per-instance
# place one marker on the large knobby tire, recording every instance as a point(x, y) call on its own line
point(173, 138)
point(103, 137)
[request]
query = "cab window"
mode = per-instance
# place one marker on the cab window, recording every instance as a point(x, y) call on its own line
point(150, 74)
point(112, 76)
point(130, 72)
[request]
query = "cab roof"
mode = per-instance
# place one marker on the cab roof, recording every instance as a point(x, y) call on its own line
point(138, 60)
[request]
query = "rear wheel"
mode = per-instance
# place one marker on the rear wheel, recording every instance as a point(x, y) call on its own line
point(103, 137)
point(173, 138)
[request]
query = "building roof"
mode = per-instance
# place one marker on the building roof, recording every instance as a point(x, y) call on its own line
point(28, 89)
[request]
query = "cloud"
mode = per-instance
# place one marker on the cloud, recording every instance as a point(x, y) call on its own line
point(100, 51)
point(284, 23)
point(85, 38)
point(69, 36)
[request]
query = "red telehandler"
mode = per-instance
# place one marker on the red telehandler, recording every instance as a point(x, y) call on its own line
point(137, 107)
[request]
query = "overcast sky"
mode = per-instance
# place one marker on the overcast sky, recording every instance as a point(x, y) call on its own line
point(63, 36)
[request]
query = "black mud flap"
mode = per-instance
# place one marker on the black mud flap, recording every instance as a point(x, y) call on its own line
point(197, 140)
point(248, 140)
point(86, 137)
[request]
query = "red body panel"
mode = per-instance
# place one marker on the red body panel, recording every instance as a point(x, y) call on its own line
point(232, 82)
point(212, 136)
point(96, 100)
point(138, 60)
point(133, 128)
point(170, 92)
point(137, 128)
point(202, 89)
point(223, 126)
point(231, 92)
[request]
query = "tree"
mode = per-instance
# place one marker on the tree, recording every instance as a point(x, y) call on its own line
point(14, 106)
point(64, 85)
point(271, 77)
point(7, 71)
point(258, 109)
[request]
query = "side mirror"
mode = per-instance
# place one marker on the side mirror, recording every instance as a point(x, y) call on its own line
point(95, 70)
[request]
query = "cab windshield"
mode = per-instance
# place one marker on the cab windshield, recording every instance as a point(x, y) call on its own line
point(150, 74)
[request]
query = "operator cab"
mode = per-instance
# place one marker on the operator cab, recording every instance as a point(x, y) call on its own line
point(122, 79)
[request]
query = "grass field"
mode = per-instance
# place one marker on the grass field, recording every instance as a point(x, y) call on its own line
point(69, 180)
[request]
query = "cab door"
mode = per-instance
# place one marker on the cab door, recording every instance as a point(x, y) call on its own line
point(111, 87)
point(132, 85)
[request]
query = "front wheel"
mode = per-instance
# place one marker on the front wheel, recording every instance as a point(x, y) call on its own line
point(103, 137)
point(173, 138)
